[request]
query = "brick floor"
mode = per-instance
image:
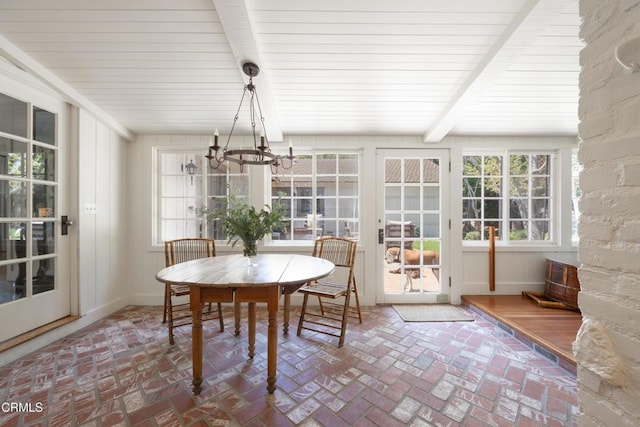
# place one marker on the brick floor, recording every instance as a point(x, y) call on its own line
point(122, 371)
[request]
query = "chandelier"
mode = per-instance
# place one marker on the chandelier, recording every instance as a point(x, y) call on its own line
point(261, 153)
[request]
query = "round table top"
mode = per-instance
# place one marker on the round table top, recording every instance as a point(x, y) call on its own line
point(235, 271)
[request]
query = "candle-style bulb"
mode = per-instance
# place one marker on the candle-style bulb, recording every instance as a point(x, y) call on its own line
point(262, 147)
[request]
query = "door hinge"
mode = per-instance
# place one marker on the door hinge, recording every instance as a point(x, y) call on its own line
point(449, 281)
point(449, 165)
point(449, 224)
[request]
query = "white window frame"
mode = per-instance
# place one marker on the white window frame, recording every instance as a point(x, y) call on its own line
point(314, 197)
point(204, 197)
point(506, 219)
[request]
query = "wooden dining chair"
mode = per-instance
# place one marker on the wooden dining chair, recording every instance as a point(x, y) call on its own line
point(176, 311)
point(331, 315)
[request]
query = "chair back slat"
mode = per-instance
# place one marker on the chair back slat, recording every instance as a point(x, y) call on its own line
point(341, 252)
point(188, 249)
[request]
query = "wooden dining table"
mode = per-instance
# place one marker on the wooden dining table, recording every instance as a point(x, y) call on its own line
point(233, 278)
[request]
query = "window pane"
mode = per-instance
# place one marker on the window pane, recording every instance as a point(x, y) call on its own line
point(471, 209)
point(492, 209)
point(43, 279)
point(44, 163)
point(13, 116)
point(472, 165)
point(303, 165)
point(540, 230)
point(13, 276)
point(348, 208)
point(13, 240)
point(44, 126)
point(13, 198)
point(348, 164)
point(327, 207)
point(430, 226)
point(517, 230)
point(519, 208)
point(348, 186)
point(13, 158)
point(519, 187)
point(471, 187)
point(540, 208)
point(540, 164)
point(349, 229)
point(431, 171)
point(411, 198)
point(392, 170)
point(519, 164)
point(44, 199)
point(471, 230)
point(326, 164)
point(431, 198)
point(43, 238)
point(492, 187)
point(412, 171)
point(493, 165)
point(392, 198)
point(540, 186)
point(326, 185)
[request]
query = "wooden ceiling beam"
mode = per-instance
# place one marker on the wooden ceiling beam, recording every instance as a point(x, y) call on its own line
point(533, 17)
point(235, 18)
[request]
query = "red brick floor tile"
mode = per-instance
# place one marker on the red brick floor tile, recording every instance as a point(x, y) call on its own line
point(122, 371)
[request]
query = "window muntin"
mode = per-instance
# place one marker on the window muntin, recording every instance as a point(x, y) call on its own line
point(511, 192)
point(320, 194)
point(181, 195)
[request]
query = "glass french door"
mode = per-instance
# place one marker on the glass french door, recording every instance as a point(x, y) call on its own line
point(34, 263)
point(413, 226)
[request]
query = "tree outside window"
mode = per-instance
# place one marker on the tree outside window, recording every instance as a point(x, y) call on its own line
point(522, 214)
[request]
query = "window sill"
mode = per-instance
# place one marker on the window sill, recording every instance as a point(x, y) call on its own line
point(551, 247)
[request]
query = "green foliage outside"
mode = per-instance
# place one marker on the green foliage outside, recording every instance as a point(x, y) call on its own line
point(428, 245)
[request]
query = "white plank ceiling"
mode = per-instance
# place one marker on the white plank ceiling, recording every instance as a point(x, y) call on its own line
point(334, 67)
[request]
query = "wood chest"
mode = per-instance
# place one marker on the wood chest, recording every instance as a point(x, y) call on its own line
point(562, 284)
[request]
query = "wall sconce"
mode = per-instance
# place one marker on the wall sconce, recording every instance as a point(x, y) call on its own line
point(191, 169)
point(628, 54)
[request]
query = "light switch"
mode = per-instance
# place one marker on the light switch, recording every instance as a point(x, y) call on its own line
point(90, 208)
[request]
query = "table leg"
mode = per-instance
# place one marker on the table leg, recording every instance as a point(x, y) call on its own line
point(196, 338)
point(237, 311)
point(273, 295)
point(287, 306)
point(252, 329)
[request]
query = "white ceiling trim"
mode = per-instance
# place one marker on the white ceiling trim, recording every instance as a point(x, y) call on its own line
point(12, 53)
point(532, 18)
point(235, 18)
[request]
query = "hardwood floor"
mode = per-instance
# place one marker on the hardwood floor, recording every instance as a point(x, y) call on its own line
point(552, 329)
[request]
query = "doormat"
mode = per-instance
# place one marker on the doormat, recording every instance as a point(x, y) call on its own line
point(431, 313)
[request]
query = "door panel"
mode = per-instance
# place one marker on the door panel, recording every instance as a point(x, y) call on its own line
point(34, 259)
point(412, 218)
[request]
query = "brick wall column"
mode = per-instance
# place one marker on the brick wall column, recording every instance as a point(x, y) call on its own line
point(608, 344)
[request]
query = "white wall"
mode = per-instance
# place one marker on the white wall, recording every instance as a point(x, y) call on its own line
point(517, 269)
point(608, 344)
point(102, 235)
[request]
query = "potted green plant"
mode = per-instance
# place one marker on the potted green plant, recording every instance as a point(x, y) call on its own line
point(240, 221)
